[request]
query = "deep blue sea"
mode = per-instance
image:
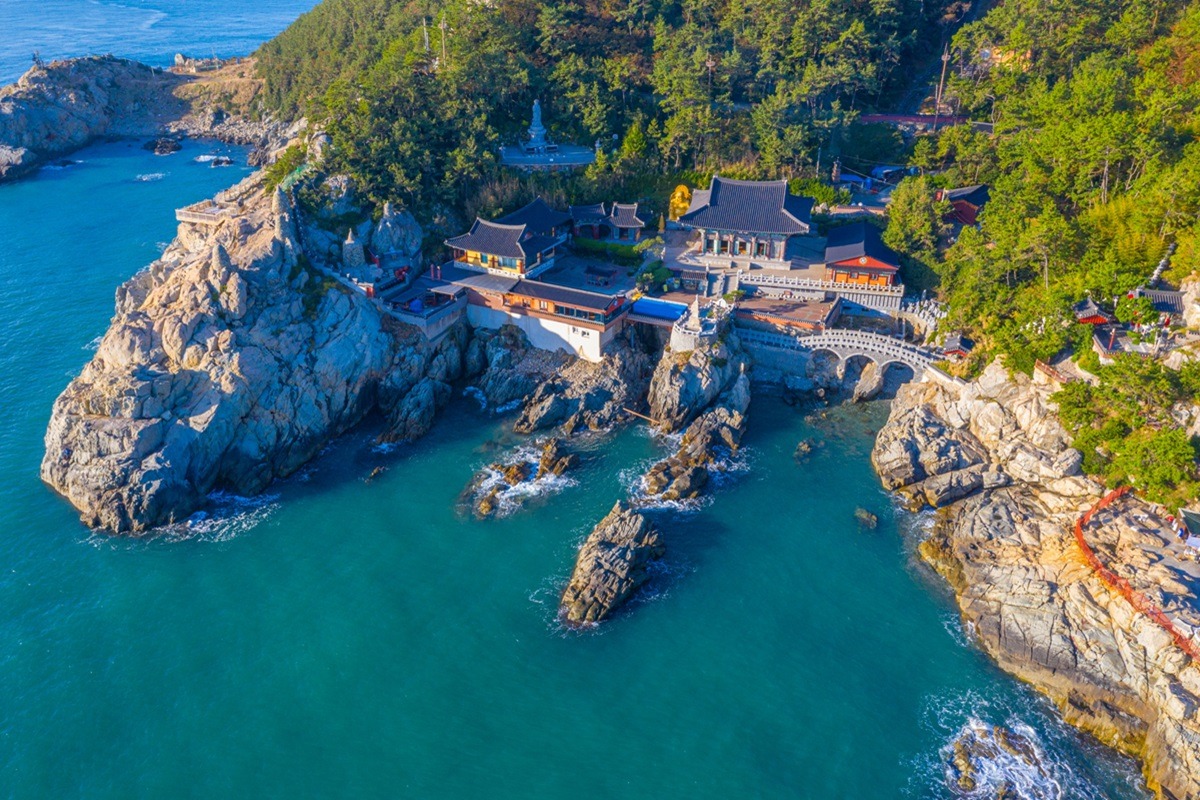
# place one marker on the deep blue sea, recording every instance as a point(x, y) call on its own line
point(345, 635)
point(152, 31)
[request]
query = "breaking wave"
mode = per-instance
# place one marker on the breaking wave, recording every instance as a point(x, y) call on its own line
point(149, 177)
point(994, 747)
point(515, 497)
point(227, 517)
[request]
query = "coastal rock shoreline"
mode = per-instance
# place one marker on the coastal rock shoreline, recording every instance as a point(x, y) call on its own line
point(58, 108)
point(999, 466)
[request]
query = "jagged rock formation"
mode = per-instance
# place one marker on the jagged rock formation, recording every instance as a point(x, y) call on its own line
point(684, 384)
point(1005, 543)
point(611, 565)
point(514, 367)
point(716, 432)
point(55, 109)
point(229, 364)
point(398, 236)
point(869, 383)
point(589, 395)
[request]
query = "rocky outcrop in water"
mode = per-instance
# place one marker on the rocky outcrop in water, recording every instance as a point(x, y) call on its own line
point(505, 485)
point(685, 384)
point(707, 443)
point(612, 564)
point(999, 459)
point(229, 364)
point(587, 395)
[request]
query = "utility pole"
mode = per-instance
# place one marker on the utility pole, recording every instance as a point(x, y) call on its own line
point(425, 34)
point(937, 98)
point(818, 162)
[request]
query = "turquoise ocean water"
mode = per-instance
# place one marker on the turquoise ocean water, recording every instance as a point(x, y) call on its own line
point(341, 636)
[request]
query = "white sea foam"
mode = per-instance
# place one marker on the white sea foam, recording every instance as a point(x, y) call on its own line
point(150, 177)
point(94, 344)
point(227, 517)
point(476, 394)
point(513, 498)
point(1026, 767)
point(1032, 764)
point(204, 159)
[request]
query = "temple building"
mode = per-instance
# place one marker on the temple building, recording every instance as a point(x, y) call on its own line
point(553, 317)
point(748, 221)
point(619, 222)
point(856, 254)
point(966, 203)
point(504, 249)
point(540, 219)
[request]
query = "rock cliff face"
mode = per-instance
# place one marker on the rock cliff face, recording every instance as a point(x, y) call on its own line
point(55, 109)
point(684, 384)
point(586, 395)
point(1000, 462)
point(228, 364)
point(611, 565)
point(718, 431)
point(58, 108)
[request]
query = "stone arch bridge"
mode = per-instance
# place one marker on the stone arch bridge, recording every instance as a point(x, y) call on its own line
point(885, 351)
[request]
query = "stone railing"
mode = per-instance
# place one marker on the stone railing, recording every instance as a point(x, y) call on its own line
point(846, 343)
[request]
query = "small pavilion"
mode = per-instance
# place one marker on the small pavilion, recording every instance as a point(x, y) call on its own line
point(619, 222)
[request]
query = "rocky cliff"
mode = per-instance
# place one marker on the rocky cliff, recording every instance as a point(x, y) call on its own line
point(686, 383)
point(57, 108)
point(230, 363)
point(999, 462)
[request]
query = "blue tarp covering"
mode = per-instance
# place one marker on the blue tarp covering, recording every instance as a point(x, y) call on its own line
point(659, 309)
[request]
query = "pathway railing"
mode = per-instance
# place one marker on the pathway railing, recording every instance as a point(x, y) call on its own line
point(1139, 601)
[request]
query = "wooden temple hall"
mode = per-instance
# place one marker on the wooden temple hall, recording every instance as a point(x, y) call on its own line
point(618, 221)
point(522, 243)
point(751, 220)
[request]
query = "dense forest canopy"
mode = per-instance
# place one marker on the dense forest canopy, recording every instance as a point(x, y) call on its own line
point(418, 96)
point(1090, 144)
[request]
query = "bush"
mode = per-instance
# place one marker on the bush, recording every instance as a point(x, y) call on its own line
point(292, 159)
point(623, 254)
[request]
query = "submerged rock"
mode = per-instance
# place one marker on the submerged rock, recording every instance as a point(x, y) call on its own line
point(611, 565)
point(866, 519)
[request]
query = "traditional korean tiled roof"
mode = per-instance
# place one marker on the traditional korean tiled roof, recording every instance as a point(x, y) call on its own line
point(975, 195)
point(957, 343)
point(1165, 302)
point(563, 295)
point(851, 242)
point(624, 215)
point(537, 217)
point(749, 207)
point(506, 241)
point(589, 215)
point(1088, 308)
